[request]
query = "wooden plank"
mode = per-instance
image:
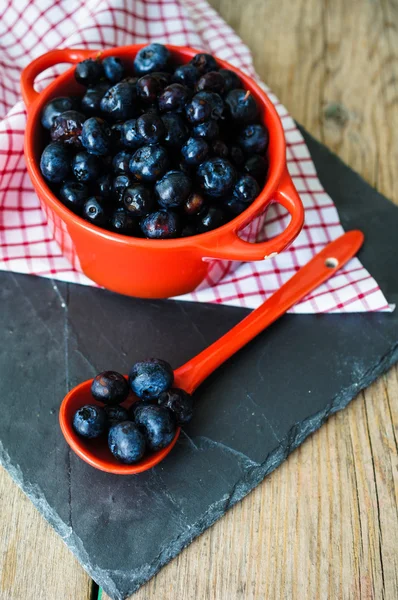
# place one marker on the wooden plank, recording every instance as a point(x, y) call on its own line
point(34, 562)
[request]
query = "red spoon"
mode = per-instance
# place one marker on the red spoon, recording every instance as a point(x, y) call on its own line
point(190, 375)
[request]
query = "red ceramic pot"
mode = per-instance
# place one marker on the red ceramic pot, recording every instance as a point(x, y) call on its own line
point(143, 267)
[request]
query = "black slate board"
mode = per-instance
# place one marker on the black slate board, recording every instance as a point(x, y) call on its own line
point(258, 407)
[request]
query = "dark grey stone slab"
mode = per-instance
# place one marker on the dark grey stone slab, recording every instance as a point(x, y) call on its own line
point(250, 415)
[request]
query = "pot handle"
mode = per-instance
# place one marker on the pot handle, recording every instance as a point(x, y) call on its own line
point(232, 247)
point(54, 57)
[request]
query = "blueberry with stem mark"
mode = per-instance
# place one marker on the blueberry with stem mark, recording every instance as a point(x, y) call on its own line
point(173, 189)
point(160, 225)
point(110, 387)
point(254, 139)
point(154, 57)
point(67, 128)
point(179, 402)
point(73, 194)
point(89, 72)
point(158, 425)
point(149, 378)
point(195, 151)
point(96, 136)
point(113, 69)
point(55, 162)
point(55, 107)
point(89, 421)
point(138, 200)
point(216, 177)
point(149, 163)
point(126, 442)
point(241, 106)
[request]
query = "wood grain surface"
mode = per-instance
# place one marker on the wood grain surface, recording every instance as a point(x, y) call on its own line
point(325, 524)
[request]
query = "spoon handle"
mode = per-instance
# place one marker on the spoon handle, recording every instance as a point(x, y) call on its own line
point(316, 271)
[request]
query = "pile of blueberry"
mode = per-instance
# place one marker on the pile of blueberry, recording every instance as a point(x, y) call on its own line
point(171, 151)
point(149, 424)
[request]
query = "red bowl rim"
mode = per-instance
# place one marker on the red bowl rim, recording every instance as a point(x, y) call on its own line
point(274, 175)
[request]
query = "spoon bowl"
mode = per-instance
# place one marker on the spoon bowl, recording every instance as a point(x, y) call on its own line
point(95, 451)
point(190, 375)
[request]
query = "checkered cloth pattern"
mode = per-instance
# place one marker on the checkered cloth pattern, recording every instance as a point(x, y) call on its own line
point(29, 28)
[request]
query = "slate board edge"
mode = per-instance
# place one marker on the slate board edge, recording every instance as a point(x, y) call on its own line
point(296, 436)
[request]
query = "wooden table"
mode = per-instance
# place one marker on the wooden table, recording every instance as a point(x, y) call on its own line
point(325, 524)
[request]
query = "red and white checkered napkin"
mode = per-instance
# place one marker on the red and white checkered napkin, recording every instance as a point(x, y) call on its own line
point(29, 28)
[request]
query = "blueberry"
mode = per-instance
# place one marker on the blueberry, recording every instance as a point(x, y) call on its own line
point(194, 204)
point(121, 221)
point(148, 88)
point(234, 206)
point(120, 101)
point(174, 97)
point(188, 230)
point(157, 424)
point(119, 184)
point(216, 176)
point(55, 162)
point(150, 128)
point(96, 136)
point(254, 139)
point(219, 148)
point(236, 155)
point(257, 167)
point(187, 75)
point(113, 68)
point(194, 151)
point(129, 136)
point(179, 402)
point(159, 225)
point(210, 219)
point(89, 421)
point(203, 106)
point(211, 82)
point(120, 162)
point(115, 414)
point(67, 128)
point(110, 387)
point(104, 185)
point(208, 130)
point(89, 72)
point(246, 189)
point(126, 442)
point(91, 101)
point(73, 194)
point(204, 63)
point(149, 163)
point(241, 106)
point(176, 130)
point(231, 80)
point(138, 200)
point(149, 378)
point(154, 57)
point(55, 107)
point(85, 166)
point(94, 211)
point(173, 189)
